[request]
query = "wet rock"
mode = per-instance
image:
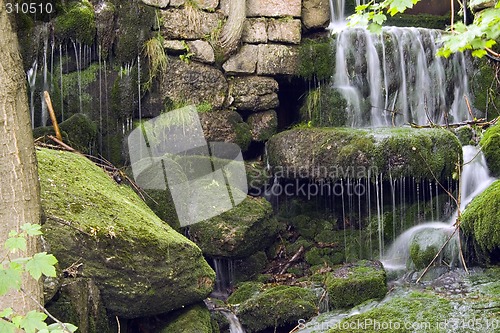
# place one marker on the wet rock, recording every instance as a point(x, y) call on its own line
point(104, 18)
point(238, 233)
point(188, 23)
point(79, 302)
point(225, 126)
point(277, 59)
point(315, 13)
point(193, 83)
point(273, 8)
point(426, 243)
point(141, 266)
point(254, 31)
point(263, 125)
point(254, 93)
point(276, 307)
point(284, 31)
point(202, 50)
point(352, 284)
point(321, 153)
point(243, 62)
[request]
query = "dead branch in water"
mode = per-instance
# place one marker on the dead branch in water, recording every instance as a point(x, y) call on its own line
point(482, 122)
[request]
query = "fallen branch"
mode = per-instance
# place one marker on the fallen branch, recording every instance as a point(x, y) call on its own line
point(295, 257)
point(478, 122)
point(52, 115)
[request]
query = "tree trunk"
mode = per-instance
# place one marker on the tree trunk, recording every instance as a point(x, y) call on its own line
point(19, 188)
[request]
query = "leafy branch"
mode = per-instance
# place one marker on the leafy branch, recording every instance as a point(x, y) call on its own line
point(11, 275)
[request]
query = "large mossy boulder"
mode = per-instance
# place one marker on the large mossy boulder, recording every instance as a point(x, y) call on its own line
point(334, 153)
point(481, 221)
point(239, 232)
point(490, 144)
point(141, 265)
point(276, 307)
point(352, 284)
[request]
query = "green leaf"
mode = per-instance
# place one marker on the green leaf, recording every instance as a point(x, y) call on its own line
point(7, 327)
point(479, 53)
point(15, 243)
point(6, 313)
point(9, 279)
point(375, 28)
point(379, 18)
point(33, 321)
point(57, 328)
point(41, 263)
point(32, 229)
point(13, 233)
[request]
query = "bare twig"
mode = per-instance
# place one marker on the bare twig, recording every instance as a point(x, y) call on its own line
point(52, 115)
point(45, 310)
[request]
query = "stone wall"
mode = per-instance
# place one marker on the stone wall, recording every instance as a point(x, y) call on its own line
point(244, 80)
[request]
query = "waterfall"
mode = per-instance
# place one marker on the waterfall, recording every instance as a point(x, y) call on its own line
point(474, 180)
point(31, 74)
point(394, 78)
point(234, 323)
point(224, 275)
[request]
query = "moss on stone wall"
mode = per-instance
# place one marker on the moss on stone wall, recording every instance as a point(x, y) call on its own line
point(77, 23)
point(196, 318)
point(485, 88)
point(316, 59)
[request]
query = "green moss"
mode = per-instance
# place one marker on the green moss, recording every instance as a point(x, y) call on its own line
point(355, 283)
point(421, 258)
point(141, 266)
point(77, 23)
point(490, 144)
point(244, 291)
point(276, 307)
point(243, 135)
point(194, 319)
point(324, 107)
point(415, 307)
point(485, 88)
point(135, 23)
point(316, 59)
point(239, 232)
point(481, 220)
point(465, 135)
point(249, 268)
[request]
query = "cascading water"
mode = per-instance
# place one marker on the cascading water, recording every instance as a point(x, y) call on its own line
point(474, 180)
point(394, 78)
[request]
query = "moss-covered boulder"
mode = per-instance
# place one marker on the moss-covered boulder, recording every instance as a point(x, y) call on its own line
point(239, 232)
point(334, 153)
point(276, 307)
point(352, 284)
point(426, 243)
point(194, 319)
point(79, 302)
point(395, 315)
point(245, 291)
point(490, 144)
point(481, 221)
point(78, 131)
point(141, 266)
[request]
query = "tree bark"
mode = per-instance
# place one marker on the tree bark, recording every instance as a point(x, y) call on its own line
point(19, 187)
